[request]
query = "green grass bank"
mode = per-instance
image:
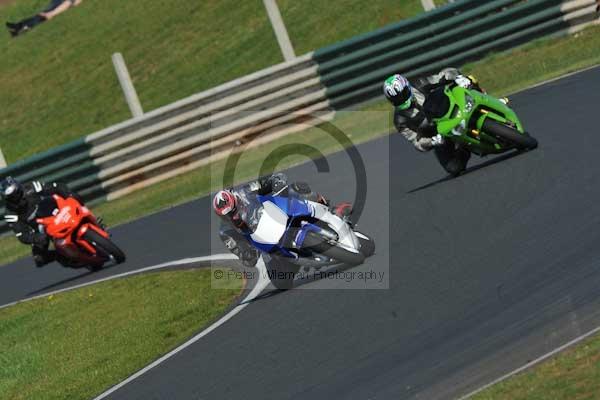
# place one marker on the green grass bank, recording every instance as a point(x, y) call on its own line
point(76, 344)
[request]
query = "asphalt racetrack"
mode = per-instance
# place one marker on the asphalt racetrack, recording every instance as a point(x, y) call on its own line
point(486, 272)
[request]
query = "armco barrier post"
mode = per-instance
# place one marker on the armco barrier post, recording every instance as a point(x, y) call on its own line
point(2, 160)
point(280, 31)
point(125, 80)
point(428, 4)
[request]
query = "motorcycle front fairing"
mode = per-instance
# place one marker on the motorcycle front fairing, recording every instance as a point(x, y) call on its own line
point(285, 222)
point(272, 229)
point(466, 114)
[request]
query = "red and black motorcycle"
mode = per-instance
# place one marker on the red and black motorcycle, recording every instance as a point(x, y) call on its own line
point(80, 241)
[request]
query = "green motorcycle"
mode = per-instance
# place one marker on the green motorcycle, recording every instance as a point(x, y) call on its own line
point(477, 121)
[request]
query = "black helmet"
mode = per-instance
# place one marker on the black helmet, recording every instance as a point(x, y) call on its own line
point(398, 91)
point(11, 190)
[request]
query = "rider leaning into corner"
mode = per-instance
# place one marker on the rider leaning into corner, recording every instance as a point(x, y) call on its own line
point(411, 106)
point(21, 205)
point(238, 209)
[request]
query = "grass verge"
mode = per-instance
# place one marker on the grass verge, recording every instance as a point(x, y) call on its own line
point(499, 73)
point(76, 344)
point(313, 24)
point(538, 61)
point(573, 374)
point(58, 82)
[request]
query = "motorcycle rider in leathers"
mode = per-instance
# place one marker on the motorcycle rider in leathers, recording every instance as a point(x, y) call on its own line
point(21, 206)
point(237, 208)
point(412, 104)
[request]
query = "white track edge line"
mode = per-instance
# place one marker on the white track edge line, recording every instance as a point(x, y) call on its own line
point(184, 261)
point(258, 288)
point(533, 362)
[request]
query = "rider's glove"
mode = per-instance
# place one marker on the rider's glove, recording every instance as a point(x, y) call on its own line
point(437, 140)
point(462, 81)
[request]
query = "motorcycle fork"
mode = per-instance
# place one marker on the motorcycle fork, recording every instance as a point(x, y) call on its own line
point(84, 243)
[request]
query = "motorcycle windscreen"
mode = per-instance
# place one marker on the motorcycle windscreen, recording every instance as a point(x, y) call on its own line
point(292, 206)
point(272, 225)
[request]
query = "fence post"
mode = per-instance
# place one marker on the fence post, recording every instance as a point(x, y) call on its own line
point(428, 4)
point(125, 80)
point(2, 160)
point(280, 31)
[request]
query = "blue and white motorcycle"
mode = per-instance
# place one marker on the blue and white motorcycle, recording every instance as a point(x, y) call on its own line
point(303, 233)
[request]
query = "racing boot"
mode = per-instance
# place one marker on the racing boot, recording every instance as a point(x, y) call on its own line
point(14, 29)
point(304, 191)
point(39, 250)
point(43, 259)
point(458, 164)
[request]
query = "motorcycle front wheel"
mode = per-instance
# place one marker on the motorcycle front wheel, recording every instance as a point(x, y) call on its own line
point(104, 246)
point(522, 141)
point(319, 244)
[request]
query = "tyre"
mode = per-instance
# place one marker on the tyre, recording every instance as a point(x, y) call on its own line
point(367, 245)
point(281, 273)
point(319, 244)
point(104, 246)
point(522, 141)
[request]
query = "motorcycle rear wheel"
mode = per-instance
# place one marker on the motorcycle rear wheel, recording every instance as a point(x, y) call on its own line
point(104, 246)
point(319, 244)
point(522, 141)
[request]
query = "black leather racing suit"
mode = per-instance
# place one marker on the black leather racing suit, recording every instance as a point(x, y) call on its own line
point(21, 218)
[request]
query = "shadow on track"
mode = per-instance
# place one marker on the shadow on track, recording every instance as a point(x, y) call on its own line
point(306, 279)
point(68, 280)
point(469, 170)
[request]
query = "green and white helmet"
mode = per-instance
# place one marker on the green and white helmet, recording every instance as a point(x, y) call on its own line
point(398, 91)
